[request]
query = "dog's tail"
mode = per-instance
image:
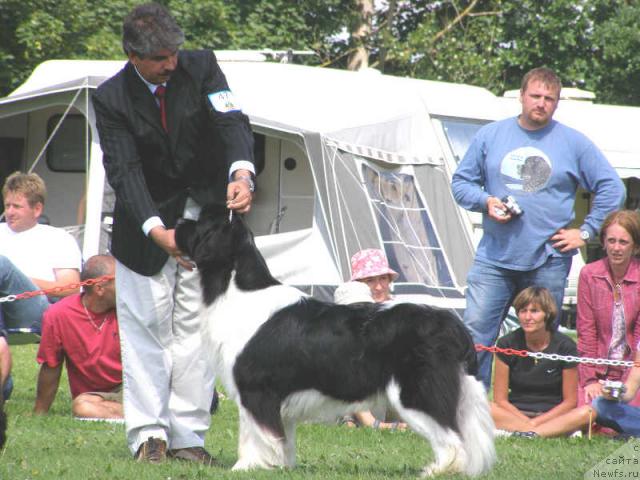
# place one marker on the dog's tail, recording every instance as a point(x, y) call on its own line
point(476, 426)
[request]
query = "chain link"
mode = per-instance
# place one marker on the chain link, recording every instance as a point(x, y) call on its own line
point(506, 351)
point(9, 298)
point(555, 356)
point(54, 290)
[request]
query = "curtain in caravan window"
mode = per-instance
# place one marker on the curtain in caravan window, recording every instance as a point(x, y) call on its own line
point(69, 148)
point(409, 237)
point(460, 133)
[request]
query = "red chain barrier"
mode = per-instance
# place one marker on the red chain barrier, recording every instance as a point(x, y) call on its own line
point(554, 356)
point(506, 351)
point(63, 288)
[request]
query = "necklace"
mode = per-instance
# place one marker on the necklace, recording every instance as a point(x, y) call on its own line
point(90, 317)
point(617, 293)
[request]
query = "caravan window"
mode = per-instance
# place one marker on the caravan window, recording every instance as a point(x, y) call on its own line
point(11, 153)
point(69, 147)
point(460, 133)
point(409, 237)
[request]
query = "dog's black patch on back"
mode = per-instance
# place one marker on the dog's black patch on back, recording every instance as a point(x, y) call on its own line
point(351, 352)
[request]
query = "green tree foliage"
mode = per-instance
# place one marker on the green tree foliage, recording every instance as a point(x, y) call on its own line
point(32, 31)
point(492, 43)
point(457, 41)
point(295, 24)
point(555, 33)
point(616, 73)
point(206, 23)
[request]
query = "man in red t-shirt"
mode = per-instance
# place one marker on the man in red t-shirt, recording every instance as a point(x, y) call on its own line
point(82, 331)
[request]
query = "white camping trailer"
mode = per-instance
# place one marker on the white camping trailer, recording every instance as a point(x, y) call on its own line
point(347, 160)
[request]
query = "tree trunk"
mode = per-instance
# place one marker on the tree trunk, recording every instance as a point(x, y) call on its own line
point(387, 34)
point(359, 57)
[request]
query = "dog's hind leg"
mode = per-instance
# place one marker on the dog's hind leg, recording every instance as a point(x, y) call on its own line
point(258, 446)
point(247, 451)
point(476, 426)
point(447, 445)
point(289, 443)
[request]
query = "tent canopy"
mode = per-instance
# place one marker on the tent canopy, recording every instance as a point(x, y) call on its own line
point(383, 113)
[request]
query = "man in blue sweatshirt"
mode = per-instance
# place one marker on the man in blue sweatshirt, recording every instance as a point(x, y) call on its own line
point(539, 163)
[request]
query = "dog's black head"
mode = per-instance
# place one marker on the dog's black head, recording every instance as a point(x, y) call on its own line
point(220, 246)
point(211, 238)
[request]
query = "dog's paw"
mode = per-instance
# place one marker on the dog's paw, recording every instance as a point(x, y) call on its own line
point(430, 470)
point(241, 466)
point(434, 469)
point(453, 462)
point(245, 465)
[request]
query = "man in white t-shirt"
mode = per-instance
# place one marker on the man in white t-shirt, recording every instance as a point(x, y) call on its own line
point(32, 257)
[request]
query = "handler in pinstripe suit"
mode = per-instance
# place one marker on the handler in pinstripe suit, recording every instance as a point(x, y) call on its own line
point(160, 170)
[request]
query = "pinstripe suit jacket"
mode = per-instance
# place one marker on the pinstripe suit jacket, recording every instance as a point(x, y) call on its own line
point(152, 172)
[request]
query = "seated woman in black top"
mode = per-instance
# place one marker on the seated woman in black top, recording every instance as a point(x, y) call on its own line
point(528, 392)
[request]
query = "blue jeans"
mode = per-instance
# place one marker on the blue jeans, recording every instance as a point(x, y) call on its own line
point(621, 417)
point(490, 292)
point(25, 313)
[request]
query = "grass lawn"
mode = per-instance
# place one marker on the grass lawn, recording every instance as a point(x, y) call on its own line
point(59, 447)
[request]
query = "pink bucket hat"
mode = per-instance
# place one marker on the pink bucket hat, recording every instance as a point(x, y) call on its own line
point(370, 263)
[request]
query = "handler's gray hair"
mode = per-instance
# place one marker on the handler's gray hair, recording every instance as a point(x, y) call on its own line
point(148, 28)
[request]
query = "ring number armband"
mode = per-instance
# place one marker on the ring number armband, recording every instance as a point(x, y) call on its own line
point(248, 180)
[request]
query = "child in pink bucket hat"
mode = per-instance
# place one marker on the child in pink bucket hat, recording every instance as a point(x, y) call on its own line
point(370, 266)
point(370, 262)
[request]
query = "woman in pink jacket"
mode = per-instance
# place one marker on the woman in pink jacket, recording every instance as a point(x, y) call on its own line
point(608, 320)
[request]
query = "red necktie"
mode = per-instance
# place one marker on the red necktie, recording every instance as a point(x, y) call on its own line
point(159, 93)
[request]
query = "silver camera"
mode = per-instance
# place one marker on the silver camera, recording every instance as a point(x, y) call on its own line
point(615, 388)
point(512, 206)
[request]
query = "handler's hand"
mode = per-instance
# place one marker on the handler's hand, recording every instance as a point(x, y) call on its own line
point(494, 205)
point(166, 240)
point(239, 196)
point(567, 239)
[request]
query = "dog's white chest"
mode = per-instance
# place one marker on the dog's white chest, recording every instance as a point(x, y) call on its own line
point(233, 319)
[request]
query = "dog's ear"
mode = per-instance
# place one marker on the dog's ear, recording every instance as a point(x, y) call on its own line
point(185, 235)
point(213, 245)
point(212, 239)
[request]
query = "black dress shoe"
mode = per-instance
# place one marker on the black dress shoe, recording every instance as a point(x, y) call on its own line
point(193, 454)
point(153, 450)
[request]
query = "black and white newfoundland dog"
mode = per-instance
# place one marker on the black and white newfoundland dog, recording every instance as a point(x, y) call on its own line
point(285, 357)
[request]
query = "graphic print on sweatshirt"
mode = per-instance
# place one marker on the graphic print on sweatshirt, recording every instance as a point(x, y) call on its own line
point(525, 169)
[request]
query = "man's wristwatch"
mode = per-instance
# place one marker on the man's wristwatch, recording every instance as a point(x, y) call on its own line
point(248, 180)
point(585, 235)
